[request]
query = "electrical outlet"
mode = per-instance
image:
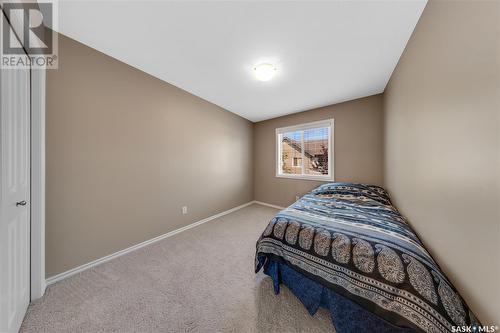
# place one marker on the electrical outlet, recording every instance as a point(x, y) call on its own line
point(184, 210)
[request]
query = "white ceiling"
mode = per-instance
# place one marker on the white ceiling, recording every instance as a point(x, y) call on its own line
point(327, 51)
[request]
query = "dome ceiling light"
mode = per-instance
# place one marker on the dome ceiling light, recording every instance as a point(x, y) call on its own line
point(265, 71)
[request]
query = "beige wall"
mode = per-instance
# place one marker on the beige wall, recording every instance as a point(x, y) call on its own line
point(125, 151)
point(442, 145)
point(357, 149)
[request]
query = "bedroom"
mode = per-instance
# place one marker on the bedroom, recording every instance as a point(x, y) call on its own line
point(286, 166)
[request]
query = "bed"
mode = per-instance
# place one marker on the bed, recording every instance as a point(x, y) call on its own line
point(345, 247)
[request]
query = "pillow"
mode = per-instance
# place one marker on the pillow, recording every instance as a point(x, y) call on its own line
point(371, 191)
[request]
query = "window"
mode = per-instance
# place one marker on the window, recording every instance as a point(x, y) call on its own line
point(305, 151)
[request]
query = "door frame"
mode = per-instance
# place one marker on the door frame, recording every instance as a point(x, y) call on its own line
point(37, 201)
point(37, 176)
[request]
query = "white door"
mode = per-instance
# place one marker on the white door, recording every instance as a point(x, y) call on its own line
point(14, 197)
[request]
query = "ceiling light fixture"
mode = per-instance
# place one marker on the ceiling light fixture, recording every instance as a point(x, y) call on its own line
point(265, 71)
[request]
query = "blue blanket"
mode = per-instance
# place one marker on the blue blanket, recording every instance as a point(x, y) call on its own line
point(314, 295)
point(352, 240)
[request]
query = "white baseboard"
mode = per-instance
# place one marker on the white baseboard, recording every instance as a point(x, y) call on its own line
point(268, 205)
point(76, 270)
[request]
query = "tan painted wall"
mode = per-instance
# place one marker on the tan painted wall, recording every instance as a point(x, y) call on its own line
point(125, 151)
point(357, 149)
point(442, 144)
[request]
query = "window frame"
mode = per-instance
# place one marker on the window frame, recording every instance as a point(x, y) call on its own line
point(329, 123)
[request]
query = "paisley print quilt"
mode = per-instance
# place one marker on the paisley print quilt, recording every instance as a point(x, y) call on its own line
point(351, 239)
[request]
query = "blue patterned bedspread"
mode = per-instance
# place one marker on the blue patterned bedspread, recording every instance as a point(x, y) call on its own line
point(351, 239)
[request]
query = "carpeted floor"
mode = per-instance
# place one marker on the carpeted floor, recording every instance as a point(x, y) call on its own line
point(200, 280)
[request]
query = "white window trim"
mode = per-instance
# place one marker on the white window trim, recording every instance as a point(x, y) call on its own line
point(301, 127)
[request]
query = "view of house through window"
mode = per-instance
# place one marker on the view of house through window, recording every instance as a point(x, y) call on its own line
point(305, 150)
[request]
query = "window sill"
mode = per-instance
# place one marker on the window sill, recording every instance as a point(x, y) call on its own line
point(326, 179)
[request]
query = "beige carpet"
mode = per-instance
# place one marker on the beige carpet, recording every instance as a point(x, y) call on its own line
point(200, 280)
